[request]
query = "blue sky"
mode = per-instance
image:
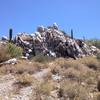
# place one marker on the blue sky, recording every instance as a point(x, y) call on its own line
point(83, 16)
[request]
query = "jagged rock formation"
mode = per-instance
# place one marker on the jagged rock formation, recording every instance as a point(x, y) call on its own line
point(53, 42)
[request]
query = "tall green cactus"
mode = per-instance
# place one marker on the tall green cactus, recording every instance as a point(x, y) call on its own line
point(72, 34)
point(10, 35)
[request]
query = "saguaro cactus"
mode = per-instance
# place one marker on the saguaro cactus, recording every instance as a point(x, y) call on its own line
point(10, 35)
point(72, 33)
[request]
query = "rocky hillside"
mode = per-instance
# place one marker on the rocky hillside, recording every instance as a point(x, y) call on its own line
point(48, 65)
point(56, 79)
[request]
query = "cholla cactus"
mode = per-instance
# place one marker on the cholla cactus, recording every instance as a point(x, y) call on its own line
point(10, 34)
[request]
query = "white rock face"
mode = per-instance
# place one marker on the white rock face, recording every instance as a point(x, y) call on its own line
point(56, 77)
point(11, 61)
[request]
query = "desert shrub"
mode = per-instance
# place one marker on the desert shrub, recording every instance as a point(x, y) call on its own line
point(3, 70)
point(94, 42)
point(72, 74)
point(3, 54)
point(13, 50)
point(42, 59)
point(26, 66)
point(9, 51)
point(58, 65)
point(74, 91)
point(91, 62)
point(45, 88)
point(98, 97)
point(25, 79)
point(66, 63)
point(23, 66)
point(42, 90)
point(62, 66)
point(98, 56)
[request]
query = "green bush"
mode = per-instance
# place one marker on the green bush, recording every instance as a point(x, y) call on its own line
point(13, 50)
point(9, 51)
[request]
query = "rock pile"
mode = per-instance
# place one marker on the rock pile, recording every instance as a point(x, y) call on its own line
point(53, 42)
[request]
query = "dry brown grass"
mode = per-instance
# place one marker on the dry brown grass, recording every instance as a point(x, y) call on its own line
point(25, 79)
point(74, 91)
point(26, 66)
point(43, 59)
point(91, 62)
point(46, 87)
point(41, 90)
point(9, 51)
point(80, 81)
point(21, 67)
point(80, 73)
point(71, 69)
point(96, 96)
point(3, 54)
